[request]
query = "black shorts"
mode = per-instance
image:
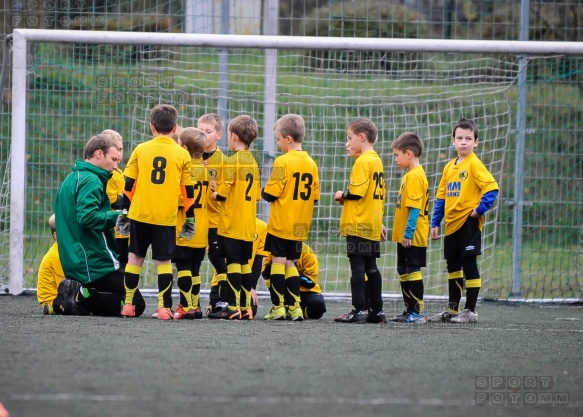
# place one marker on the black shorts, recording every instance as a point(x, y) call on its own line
point(162, 239)
point(192, 257)
point(285, 248)
point(213, 240)
point(235, 250)
point(464, 242)
point(356, 245)
point(413, 256)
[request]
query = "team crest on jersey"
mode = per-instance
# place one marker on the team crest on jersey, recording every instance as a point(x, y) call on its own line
point(464, 175)
point(213, 172)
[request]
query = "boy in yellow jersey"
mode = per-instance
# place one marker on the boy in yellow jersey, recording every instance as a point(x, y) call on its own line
point(411, 226)
point(238, 193)
point(466, 192)
point(212, 125)
point(115, 194)
point(256, 264)
point(50, 273)
point(292, 190)
point(362, 223)
point(311, 298)
point(156, 173)
point(190, 253)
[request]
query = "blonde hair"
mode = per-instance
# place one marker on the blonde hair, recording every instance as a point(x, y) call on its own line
point(52, 224)
point(212, 119)
point(291, 125)
point(193, 139)
point(112, 134)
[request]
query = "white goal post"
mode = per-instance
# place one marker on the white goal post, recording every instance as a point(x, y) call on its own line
point(21, 38)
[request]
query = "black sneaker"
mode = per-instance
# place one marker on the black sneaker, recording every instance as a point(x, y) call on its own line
point(66, 302)
point(378, 317)
point(401, 318)
point(352, 317)
point(226, 314)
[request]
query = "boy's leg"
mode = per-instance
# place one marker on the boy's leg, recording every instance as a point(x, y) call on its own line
point(357, 282)
point(473, 282)
point(357, 286)
point(197, 258)
point(164, 270)
point(218, 262)
point(183, 278)
point(138, 248)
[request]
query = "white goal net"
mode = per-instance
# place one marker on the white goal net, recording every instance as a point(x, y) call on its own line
point(78, 88)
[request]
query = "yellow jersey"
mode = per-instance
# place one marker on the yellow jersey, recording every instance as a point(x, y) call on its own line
point(241, 188)
point(462, 187)
point(202, 193)
point(50, 274)
point(114, 190)
point(414, 193)
point(364, 217)
point(214, 166)
point(296, 184)
point(160, 168)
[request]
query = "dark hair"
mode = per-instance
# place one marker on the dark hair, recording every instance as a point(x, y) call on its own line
point(291, 125)
point(465, 124)
point(99, 142)
point(164, 117)
point(245, 127)
point(409, 141)
point(366, 126)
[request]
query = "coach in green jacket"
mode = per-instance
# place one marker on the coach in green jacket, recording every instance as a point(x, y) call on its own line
point(87, 246)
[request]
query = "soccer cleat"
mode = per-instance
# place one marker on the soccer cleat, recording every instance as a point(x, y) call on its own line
point(48, 309)
point(443, 317)
point(128, 310)
point(247, 314)
point(401, 318)
point(295, 315)
point(226, 314)
point(189, 314)
point(276, 313)
point(165, 314)
point(221, 305)
point(352, 317)
point(67, 300)
point(466, 316)
point(415, 318)
point(378, 317)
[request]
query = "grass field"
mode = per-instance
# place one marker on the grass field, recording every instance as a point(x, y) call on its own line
point(92, 366)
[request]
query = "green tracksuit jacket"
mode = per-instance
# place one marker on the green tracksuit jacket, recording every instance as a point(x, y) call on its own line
point(85, 223)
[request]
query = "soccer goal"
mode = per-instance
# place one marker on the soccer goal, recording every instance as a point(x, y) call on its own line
point(70, 85)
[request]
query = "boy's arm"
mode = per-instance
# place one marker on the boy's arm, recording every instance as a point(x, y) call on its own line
point(438, 212)
point(256, 270)
point(268, 197)
point(411, 225)
point(486, 203)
